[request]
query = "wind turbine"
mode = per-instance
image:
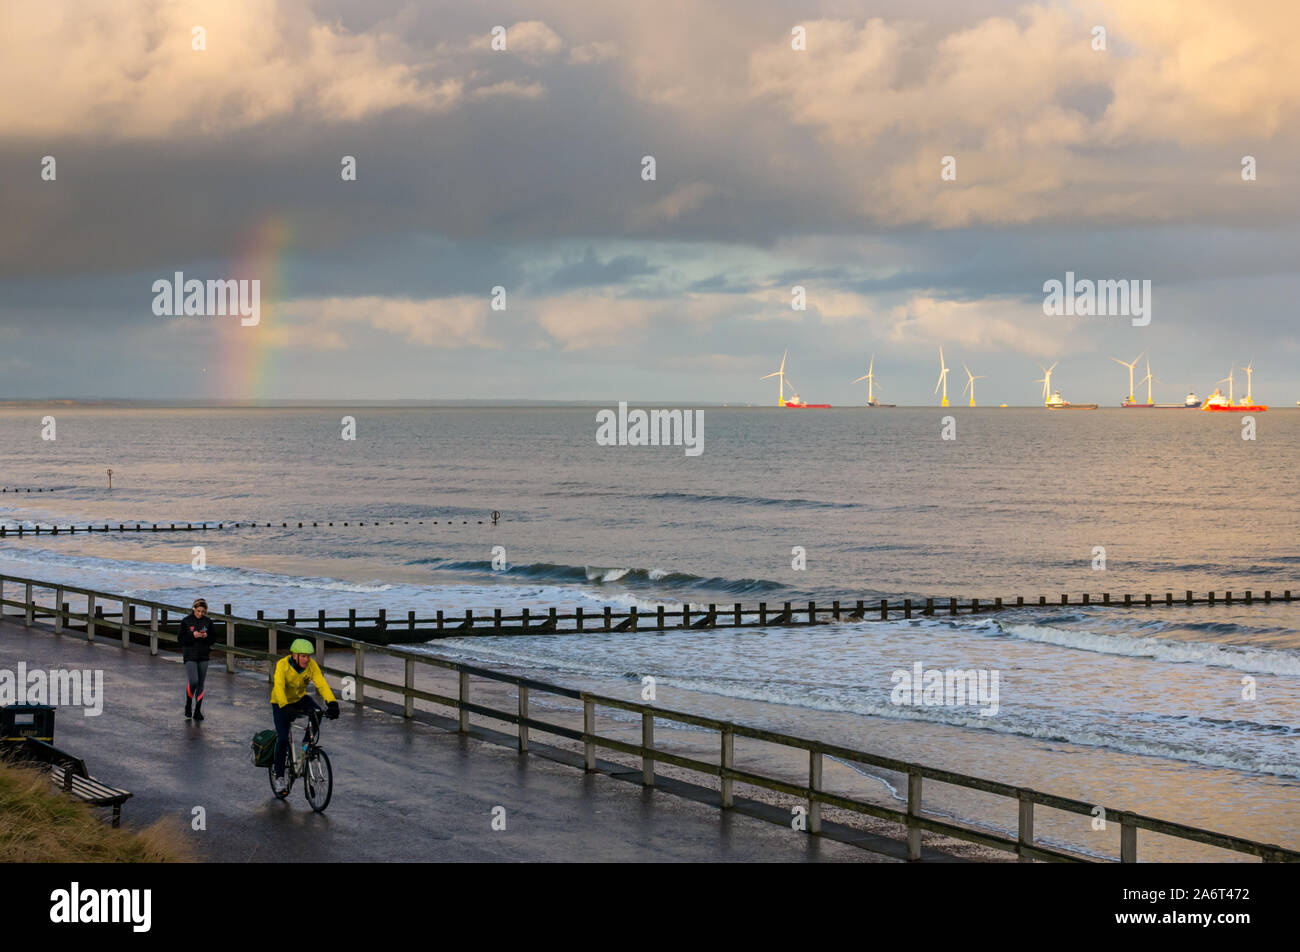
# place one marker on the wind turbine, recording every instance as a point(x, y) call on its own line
point(970, 384)
point(943, 379)
point(870, 378)
point(1228, 381)
point(1249, 368)
point(780, 374)
point(1130, 367)
point(1148, 380)
point(1046, 380)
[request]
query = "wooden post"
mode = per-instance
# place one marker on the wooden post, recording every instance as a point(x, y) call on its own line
point(659, 618)
point(929, 606)
point(1086, 596)
point(383, 619)
point(58, 607)
point(272, 648)
point(90, 615)
point(1189, 596)
point(291, 619)
point(814, 785)
point(496, 619)
point(1211, 598)
point(127, 609)
point(464, 699)
point(153, 631)
point(589, 730)
point(974, 606)
point(1249, 599)
point(907, 608)
point(410, 620)
point(1065, 599)
point(29, 613)
point(736, 609)
point(1128, 840)
point(913, 810)
point(1026, 835)
point(1268, 596)
point(230, 641)
point(359, 673)
point(352, 620)
point(320, 620)
point(1148, 601)
point(1169, 598)
point(762, 613)
point(1105, 598)
point(997, 604)
point(1128, 600)
point(1020, 601)
point(1042, 599)
point(952, 606)
point(523, 713)
point(408, 702)
point(609, 620)
point(835, 609)
point(812, 613)
point(577, 619)
point(647, 749)
point(633, 617)
point(884, 609)
point(728, 762)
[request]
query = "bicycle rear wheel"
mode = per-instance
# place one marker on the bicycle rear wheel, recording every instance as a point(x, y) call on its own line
point(318, 780)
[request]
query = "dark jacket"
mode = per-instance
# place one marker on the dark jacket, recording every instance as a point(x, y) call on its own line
point(196, 649)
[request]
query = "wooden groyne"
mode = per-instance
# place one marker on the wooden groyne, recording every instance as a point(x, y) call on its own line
point(726, 768)
point(20, 530)
point(385, 628)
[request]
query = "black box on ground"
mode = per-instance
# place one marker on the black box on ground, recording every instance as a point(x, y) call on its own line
point(18, 721)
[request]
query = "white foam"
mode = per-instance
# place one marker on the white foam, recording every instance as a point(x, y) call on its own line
point(1254, 660)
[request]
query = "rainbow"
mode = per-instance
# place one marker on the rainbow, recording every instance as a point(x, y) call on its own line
point(246, 368)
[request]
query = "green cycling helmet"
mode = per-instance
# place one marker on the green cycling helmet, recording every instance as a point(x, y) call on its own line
point(301, 646)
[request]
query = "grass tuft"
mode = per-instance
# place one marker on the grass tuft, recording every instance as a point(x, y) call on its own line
point(39, 824)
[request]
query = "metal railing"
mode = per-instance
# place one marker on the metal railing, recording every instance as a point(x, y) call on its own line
point(913, 820)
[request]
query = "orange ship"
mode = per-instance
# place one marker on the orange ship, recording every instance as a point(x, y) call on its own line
point(1218, 403)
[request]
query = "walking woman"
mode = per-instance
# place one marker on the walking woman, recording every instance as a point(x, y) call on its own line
point(196, 636)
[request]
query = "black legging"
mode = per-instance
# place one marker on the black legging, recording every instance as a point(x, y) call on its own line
point(196, 672)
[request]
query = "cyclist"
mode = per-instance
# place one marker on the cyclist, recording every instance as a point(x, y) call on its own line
point(289, 698)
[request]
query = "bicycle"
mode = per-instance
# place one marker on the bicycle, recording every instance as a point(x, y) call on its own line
point(311, 763)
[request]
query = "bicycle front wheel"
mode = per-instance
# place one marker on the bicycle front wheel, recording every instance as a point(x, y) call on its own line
point(318, 780)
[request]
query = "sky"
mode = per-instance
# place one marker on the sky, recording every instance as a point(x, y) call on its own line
point(920, 168)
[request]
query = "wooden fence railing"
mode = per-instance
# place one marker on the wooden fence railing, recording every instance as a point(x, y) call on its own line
point(913, 820)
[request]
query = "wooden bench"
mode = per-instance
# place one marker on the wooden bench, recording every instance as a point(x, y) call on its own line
point(69, 774)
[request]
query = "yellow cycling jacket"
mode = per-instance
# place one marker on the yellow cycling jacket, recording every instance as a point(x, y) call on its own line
point(291, 685)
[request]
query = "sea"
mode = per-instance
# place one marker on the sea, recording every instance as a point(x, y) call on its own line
point(1187, 714)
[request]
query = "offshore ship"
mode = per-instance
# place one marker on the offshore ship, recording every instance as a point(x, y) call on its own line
point(794, 403)
point(1217, 402)
point(1055, 401)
